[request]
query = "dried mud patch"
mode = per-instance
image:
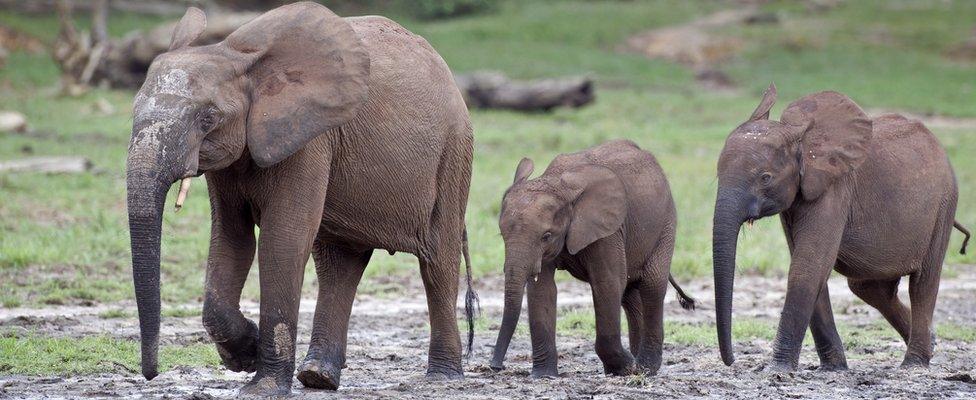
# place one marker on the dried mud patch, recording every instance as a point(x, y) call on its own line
point(388, 341)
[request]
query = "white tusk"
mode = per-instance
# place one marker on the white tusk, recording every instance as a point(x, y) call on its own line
point(184, 189)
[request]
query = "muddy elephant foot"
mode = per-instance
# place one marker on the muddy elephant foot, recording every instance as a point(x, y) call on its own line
point(547, 372)
point(780, 366)
point(913, 361)
point(241, 354)
point(444, 373)
point(833, 366)
point(267, 386)
point(620, 366)
point(319, 374)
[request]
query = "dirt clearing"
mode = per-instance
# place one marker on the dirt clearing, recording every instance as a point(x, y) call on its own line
point(388, 347)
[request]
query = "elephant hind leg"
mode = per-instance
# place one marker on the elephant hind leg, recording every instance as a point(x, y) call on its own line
point(883, 296)
point(339, 270)
point(632, 308)
point(439, 272)
point(923, 290)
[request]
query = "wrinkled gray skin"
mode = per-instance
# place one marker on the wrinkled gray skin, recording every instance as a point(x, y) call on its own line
point(335, 136)
point(873, 199)
point(606, 216)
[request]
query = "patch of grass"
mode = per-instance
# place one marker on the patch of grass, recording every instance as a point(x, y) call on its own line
point(116, 313)
point(33, 355)
point(954, 331)
point(65, 238)
point(182, 312)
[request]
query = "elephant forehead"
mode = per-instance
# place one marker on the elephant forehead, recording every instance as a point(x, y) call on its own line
point(522, 203)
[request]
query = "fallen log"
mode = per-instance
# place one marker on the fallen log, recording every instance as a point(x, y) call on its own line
point(48, 165)
point(494, 90)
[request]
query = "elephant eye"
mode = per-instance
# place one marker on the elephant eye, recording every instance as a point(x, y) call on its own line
point(766, 178)
point(546, 236)
point(209, 120)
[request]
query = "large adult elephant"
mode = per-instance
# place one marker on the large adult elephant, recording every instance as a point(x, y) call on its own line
point(871, 198)
point(336, 136)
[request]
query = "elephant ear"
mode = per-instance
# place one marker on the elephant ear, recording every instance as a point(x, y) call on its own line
point(769, 98)
point(834, 135)
point(309, 74)
point(524, 169)
point(599, 205)
point(190, 27)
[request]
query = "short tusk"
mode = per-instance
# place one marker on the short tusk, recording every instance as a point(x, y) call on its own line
point(184, 189)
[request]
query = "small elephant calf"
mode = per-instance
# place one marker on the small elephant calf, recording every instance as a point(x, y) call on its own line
point(606, 216)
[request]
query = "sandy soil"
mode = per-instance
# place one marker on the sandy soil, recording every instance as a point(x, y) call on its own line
point(388, 346)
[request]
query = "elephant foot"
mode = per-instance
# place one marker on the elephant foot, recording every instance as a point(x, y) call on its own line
point(620, 366)
point(914, 361)
point(781, 366)
point(544, 372)
point(649, 365)
point(318, 374)
point(832, 367)
point(241, 354)
point(267, 386)
point(444, 373)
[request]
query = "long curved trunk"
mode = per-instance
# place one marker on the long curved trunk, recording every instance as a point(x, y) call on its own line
point(729, 209)
point(515, 279)
point(146, 193)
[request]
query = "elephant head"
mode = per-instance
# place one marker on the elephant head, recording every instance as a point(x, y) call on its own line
point(767, 166)
point(542, 217)
point(270, 87)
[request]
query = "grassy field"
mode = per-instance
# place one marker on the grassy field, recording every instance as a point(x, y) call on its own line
point(64, 239)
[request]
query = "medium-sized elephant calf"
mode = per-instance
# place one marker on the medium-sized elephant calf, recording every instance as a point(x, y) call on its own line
point(606, 216)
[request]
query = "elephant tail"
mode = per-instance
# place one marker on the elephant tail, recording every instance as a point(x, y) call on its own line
point(964, 232)
point(685, 300)
point(471, 303)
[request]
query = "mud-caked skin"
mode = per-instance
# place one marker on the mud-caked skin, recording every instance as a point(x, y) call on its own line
point(871, 198)
point(606, 216)
point(336, 136)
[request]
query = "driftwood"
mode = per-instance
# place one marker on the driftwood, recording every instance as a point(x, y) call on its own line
point(88, 59)
point(494, 90)
point(49, 165)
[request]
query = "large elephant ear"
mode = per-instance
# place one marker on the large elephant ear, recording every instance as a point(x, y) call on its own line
point(309, 75)
point(599, 205)
point(834, 135)
point(190, 27)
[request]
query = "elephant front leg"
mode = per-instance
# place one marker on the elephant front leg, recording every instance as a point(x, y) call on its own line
point(606, 265)
point(287, 232)
point(231, 254)
point(816, 240)
point(339, 270)
point(830, 349)
point(542, 323)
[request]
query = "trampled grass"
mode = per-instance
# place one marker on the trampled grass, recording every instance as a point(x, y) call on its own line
point(64, 238)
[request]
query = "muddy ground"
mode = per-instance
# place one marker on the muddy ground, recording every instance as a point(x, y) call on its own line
point(388, 346)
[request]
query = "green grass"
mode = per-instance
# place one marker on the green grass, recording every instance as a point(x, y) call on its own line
point(64, 239)
point(34, 355)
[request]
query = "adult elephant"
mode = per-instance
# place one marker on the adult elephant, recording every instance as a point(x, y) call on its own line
point(872, 198)
point(336, 136)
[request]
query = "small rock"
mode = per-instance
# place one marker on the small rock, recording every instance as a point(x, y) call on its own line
point(12, 121)
point(965, 378)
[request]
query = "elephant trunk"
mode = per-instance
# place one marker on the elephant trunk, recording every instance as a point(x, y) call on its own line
point(151, 168)
point(515, 280)
point(729, 215)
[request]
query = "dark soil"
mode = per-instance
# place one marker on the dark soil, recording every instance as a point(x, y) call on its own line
point(388, 346)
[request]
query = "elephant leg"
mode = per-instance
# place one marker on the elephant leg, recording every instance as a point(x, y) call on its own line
point(440, 276)
point(288, 229)
point(632, 309)
point(923, 290)
point(606, 265)
point(232, 248)
point(829, 347)
point(883, 296)
point(542, 323)
point(339, 270)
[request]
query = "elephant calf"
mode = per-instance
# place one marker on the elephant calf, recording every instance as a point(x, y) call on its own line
point(606, 216)
point(871, 198)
